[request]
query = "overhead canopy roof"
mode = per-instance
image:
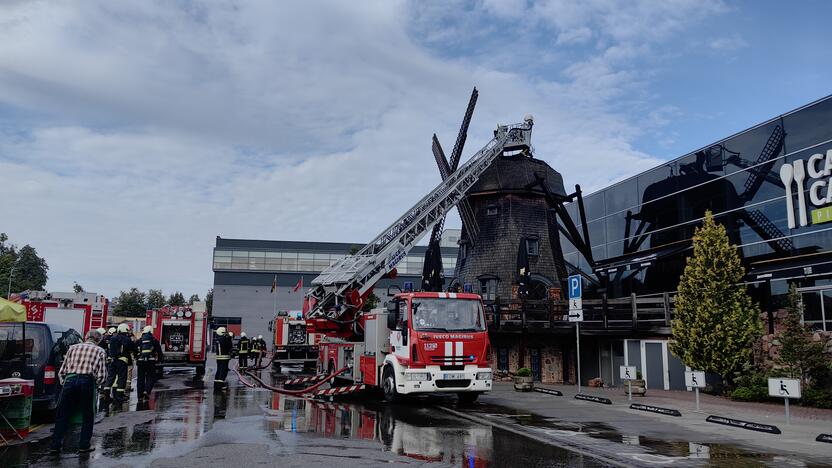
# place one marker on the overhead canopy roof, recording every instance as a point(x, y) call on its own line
point(640, 259)
point(790, 267)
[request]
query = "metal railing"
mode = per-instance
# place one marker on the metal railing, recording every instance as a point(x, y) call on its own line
point(653, 312)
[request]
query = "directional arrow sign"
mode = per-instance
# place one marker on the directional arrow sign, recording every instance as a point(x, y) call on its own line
point(576, 315)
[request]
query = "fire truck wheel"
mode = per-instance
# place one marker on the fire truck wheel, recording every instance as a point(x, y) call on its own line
point(388, 385)
point(467, 398)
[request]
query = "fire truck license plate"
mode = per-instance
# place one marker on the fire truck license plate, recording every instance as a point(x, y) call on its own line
point(454, 376)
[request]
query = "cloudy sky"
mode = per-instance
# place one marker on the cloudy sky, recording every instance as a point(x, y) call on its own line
point(133, 133)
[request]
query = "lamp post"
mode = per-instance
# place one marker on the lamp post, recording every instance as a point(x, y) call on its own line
point(11, 273)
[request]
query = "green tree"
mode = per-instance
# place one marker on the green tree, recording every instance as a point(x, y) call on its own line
point(26, 269)
point(800, 357)
point(716, 321)
point(155, 299)
point(77, 288)
point(209, 302)
point(132, 303)
point(177, 299)
point(193, 298)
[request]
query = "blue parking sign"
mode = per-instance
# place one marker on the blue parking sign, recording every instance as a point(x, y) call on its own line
point(575, 287)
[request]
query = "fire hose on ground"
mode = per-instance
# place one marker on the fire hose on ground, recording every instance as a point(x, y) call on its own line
point(301, 392)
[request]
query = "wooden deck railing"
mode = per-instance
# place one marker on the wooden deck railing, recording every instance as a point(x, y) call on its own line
point(649, 312)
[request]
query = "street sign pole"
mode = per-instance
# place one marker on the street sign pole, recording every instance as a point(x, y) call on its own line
point(788, 420)
point(630, 390)
point(696, 389)
point(578, 353)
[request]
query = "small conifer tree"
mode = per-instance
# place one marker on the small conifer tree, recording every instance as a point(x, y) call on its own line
point(716, 321)
point(800, 357)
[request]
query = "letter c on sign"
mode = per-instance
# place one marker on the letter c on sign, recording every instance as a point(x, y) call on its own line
point(814, 192)
point(812, 166)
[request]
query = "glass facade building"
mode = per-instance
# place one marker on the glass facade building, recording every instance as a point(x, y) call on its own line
point(641, 228)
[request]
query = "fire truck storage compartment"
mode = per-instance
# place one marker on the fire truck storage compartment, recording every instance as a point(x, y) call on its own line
point(176, 337)
point(74, 318)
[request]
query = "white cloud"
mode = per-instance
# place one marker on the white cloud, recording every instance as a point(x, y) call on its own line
point(133, 133)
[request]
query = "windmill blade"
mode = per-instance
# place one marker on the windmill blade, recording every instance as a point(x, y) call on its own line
point(463, 130)
point(441, 160)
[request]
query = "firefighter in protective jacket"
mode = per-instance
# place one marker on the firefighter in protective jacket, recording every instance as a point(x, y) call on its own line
point(224, 346)
point(244, 345)
point(149, 353)
point(255, 352)
point(121, 347)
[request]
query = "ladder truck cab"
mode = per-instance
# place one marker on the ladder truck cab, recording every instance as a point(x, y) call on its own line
point(423, 342)
point(81, 312)
point(290, 341)
point(182, 333)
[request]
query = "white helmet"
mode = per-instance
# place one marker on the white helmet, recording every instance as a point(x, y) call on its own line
point(242, 334)
point(123, 328)
point(259, 337)
point(221, 331)
point(101, 330)
point(111, 330)
point(147, 329)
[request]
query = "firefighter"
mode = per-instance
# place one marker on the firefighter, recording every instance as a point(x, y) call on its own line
point(121, 347)
point(105, 339)
point(255, 352)
point(150, 352)
point(223, 356)
point(262, 348)
point(244, 345)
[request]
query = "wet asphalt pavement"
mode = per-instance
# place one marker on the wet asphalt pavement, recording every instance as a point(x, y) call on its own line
point(187, 423)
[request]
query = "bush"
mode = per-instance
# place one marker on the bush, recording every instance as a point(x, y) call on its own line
point(750, 394)
point(816, 398)
point(523, 372)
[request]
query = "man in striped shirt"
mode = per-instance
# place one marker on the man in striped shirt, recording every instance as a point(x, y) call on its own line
point(84, 367)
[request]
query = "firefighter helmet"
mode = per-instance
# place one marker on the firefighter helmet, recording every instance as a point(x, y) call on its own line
point(101, 330)
point(242, 334)
point(123, 328)
point(111, 330)
point(259, 337)
point(221, 331)
point(147, 329)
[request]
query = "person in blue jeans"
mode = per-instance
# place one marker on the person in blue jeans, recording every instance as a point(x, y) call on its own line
point(84, 367)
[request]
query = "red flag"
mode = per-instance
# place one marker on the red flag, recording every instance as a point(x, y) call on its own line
point(274, 284)
point(299, 285)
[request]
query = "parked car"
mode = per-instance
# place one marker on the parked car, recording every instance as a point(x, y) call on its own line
point(46, 347)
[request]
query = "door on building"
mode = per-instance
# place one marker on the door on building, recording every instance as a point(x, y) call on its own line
point(817, 307)
point(654, 364)
point(502, 358)
point(534, 358)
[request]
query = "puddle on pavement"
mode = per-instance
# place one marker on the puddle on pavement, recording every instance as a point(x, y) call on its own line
point(711, 454)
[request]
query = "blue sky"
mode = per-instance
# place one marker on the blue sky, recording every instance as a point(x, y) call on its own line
point(131, 134)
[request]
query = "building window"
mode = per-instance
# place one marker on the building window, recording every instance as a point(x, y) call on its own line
point(488, 289)
point(492, 210)
point(533, 247)
point(463, 250)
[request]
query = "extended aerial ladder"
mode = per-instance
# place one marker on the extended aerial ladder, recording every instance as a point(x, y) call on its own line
point(338, 293)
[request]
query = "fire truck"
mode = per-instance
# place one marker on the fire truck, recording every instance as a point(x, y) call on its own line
point(291, 342)
point(82, 311)
point(420, 342)
point(182, 333)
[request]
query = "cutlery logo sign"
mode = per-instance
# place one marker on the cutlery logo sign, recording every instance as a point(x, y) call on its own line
point(793, 175)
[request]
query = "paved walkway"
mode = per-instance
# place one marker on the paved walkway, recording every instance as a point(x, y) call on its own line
point(630, 437)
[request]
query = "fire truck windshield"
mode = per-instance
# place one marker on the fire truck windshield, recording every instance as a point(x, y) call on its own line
point(447, 315)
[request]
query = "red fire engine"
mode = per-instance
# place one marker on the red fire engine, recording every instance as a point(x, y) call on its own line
point(291, 342)
point(424, 342)
point(182, 333)
point(82, 311)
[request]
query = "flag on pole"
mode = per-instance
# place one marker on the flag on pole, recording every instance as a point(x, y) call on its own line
point(274, 284)
point(299, 285)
